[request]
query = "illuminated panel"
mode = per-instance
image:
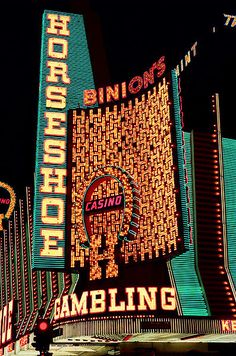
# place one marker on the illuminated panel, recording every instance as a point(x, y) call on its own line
point(31, 274)
point(182, 163)
point(20, 282)
point(186, 276)
point(12, 264)
point(25, 275)
point(45, 277)
point(210, 238)
point(7, 278)
point(28, 281)
point(52, 289)
point(130, 140)
point(184, 268)
point(65, 73)
point(3, 285)
point(18, 267)
point(229, 154)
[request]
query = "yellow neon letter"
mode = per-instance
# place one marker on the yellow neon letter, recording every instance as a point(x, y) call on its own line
point(113, 306)
point(98, 301)
point(57, 306)
point(57, 69)
point(65, 310)
point(168, 303)
point(79, 307)
point(58, 25)
point(50, 248)
point(146, 299)
point(90, 97)
point(56, 97)
point(53, 181)
point(63, 53)
point(57, 204)
point(54, 123)
point(54, 151)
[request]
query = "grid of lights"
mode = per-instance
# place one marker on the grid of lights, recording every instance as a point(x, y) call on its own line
point(138, 138)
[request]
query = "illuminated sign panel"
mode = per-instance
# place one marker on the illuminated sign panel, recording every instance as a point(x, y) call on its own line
point(65, 73)
point(124, 153)
point(124, 205)
point(94, 302)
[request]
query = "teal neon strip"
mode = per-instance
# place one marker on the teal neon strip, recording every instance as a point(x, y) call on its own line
point(49, 289)
point(229, 158)
point(191, 294)
point(181, 163)
point(187, 280)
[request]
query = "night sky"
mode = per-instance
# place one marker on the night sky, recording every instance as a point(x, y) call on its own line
point(133, 36)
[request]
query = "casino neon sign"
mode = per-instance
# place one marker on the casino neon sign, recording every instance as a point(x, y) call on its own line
point(106, 203)
point(100, 182)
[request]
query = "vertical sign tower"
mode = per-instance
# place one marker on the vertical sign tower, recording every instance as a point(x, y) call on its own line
point(65, 72)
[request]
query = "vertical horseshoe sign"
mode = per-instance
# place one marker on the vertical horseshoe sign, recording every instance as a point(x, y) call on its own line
point(7, 202)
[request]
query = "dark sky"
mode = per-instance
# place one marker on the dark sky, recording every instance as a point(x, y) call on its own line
point(134, 36)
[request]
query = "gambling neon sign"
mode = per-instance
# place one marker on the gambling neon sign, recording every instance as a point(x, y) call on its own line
point(100, 301)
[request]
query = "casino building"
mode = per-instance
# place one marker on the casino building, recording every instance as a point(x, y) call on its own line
point(128, 241)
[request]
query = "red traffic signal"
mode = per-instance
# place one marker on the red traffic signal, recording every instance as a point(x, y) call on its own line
point(43, 325)
point(43, 335)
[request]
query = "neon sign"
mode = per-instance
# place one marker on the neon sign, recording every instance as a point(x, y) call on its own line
point(228, 325)
point(128, 151)
point(65, 70)
point(94, 302)
point(106, 203)
point(230, 20)
point(184, 62)
point(120, 91)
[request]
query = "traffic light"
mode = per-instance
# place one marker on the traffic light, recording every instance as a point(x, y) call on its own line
point(43, 335)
